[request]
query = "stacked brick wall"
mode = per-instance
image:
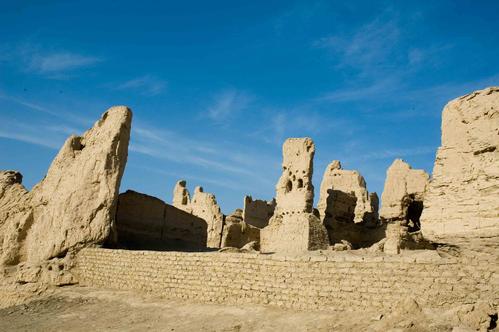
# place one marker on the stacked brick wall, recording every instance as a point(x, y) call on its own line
point(333, 282)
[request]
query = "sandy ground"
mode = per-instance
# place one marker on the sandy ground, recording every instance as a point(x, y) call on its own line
point(86, 309)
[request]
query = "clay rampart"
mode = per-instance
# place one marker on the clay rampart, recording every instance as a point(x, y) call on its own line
point(337, 281)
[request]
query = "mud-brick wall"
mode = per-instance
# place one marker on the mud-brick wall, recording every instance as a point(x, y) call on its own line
point(147, 223)
point(339, 282)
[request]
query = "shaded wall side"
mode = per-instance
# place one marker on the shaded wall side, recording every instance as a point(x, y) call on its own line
point(148, 223)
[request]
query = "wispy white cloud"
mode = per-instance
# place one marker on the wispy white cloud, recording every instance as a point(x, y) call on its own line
point(50, 63)
point(382, 46)
point(286, 124)
point(439, 93)
point(32, 133)
point(276, 124)
point(30, 138)
point(159, 153)
point(228, 103)
point(54, 63)
point(381, 57)
point(395, 89)
point(416, 56)
point(428, 56)
point(146, 85)
point(394, 153)
point(174, 147)
point(216, 182)
point(37, 107)
point(277, 128)
point(28, 104)
point(373, 53)
point(378, 89)
point(366, 48)
point(430, 99)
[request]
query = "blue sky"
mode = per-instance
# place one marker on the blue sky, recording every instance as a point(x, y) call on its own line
point(217, 86)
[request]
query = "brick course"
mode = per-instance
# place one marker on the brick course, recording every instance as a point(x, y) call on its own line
point(335, 281)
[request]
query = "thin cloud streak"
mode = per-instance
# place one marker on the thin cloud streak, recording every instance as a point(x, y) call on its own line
point(31, 134)
point(42, 133)
point(174, 147)
point(27, 138)
point(39, 108)
point(145, 85)
point(52, 64)
point(59, 62)
point(384, 60)
point(446, 92)
point(373, 51)
point(219, 182)
point(28, 104)
point(228, 103)
point(395, 153)
point(174, 141)
point(365, 49)
point(277, 125)
point(394, 90)
point(378, 89)
point(180, 157)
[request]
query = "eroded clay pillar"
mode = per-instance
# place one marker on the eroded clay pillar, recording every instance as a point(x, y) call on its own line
point(294, 227)
point(202, 205)
point(402, 202)
point(181, 197)
point(205, 206)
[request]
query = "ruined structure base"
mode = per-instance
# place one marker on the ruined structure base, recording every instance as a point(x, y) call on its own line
point(294, 233)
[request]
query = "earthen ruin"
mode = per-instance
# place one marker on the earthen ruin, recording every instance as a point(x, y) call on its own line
point(294, 227)
point(461, 202)
point(203, 205)
point(435, 240)
point(181, 196)
point(146, 222)
point(402, 203)
point(237, 233)
point(346, 208)
point(258, 212)
point(74, 206)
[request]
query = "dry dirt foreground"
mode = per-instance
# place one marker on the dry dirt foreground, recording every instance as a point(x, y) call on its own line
point(86, 309)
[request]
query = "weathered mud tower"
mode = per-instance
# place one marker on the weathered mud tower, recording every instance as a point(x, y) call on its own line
point(294, 227)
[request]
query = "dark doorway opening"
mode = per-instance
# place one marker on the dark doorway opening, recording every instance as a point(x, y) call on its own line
point(414, 211)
